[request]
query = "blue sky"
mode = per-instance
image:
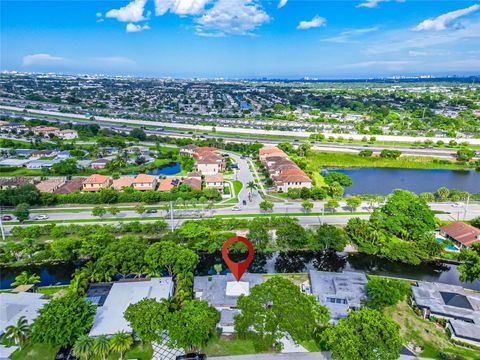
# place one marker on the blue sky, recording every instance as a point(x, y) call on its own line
point(242, 38)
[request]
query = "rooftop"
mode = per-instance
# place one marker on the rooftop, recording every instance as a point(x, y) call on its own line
point(462, 232)
point(109, 317)
point(14, 306)
point(97, 179)
point(339, 291)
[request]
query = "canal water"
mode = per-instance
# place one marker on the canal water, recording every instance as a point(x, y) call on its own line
point(281, 262)
point(168, 169)
point(384, 180)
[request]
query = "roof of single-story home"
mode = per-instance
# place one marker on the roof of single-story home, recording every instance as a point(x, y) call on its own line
point(462, 232)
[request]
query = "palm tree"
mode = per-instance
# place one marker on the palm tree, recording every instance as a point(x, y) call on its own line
point(251, 186)
point(121, 342)
point(17, 333)
point(24, 278)
point(101, 346)
point(79, 283)
point(83, 347)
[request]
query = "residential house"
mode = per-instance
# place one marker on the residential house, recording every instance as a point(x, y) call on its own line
point(97, 182)
point(265, 152)
point(70, 186)
point(145, 182)
point(38, 164)
point(12, 127)
point(14, 162)
point(200, 152)
point(38, 154)
point(169, 183)
point(463, 235)
point(50, 185)
point(45, 131)
point(122, 182)
point(14, 182)
point(340, 292)
point(210, 164)
point(67, 134)
point(14, 306)
point(99, 164)
point(194, 180)
point(222, 292)
point(187, 150)
point(459, 307)
point(109, 318)
point(214, 181)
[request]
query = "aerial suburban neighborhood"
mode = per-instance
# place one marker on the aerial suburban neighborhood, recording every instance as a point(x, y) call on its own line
point(239, 180)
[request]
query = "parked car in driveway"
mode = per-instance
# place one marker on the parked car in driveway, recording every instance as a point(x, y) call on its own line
point(41, 217)
point(7, 218)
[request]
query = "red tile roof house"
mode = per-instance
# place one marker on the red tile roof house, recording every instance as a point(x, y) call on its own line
point(145, 182)
point(214, 181)
point(265, 152)
point(194, 183)
point(97, 182)
point(13, 182)
point(210, 164)
point(463, 235)
point(122, 182)
point(71, 186)
point(168, 183)
point(50, 185)
point(45, 130)
point(199, 152)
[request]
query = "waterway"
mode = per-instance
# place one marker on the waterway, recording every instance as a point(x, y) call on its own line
point(168, 169)
point(281, 262)
point(384, 180)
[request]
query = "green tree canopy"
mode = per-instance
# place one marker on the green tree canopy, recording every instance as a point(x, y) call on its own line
point(329, 237)
point(22, 212)
point(470, 266)
point(384, 292)
point(365, 334)
point(63, 320)
point(192, 326)
point(292, 236)
point(337, 177)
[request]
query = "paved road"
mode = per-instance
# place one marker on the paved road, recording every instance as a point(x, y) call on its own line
point(245, 176)
point(233, 130)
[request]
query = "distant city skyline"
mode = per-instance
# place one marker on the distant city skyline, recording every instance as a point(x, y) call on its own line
point(285, 39)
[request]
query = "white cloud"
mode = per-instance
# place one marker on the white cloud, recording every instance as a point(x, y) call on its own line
point(446, 21)
point(347, 35)
point(282, 3)
point(132, 12)
point(41, 59)
point(130, 28)
point(98, 14)
point(237, 17)
point(371, 4)
point(180, 7)
point(316, 22)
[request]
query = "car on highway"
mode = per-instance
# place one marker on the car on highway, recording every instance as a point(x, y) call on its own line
point(236, 208)
point(244, 202)
point(7, 218)
point(151, 211)
point(41, 217)
point(458, 205)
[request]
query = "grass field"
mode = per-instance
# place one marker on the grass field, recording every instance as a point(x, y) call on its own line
point(320, 159)
point(223, 346)
point(237, 186)
point(36, 352)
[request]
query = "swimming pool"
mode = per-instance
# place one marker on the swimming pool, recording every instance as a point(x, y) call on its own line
point(447, 246)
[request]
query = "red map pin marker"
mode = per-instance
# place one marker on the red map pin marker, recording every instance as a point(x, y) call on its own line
point(237, 269)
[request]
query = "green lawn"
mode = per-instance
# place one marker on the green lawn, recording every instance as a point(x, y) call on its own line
point(291, 214)
point(237, 186)
point(431, 337)
point(320, 159)
point(136, 352)
point(50, 290)
point(223, 346)
point(296, 278)
point(36, 352)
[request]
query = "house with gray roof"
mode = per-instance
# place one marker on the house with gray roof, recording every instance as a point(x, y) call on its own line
point(461, 308)
point(340, 292)
point(222, 292)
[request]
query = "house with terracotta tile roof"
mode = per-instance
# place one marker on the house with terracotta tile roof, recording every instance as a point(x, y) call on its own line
point(97, 182)
point(122, 182)
point(45, 130)
point(50, 185)
point(210, 164)
point(462, 234)
point(194, 183)
point(75, 184)
point(168, 183)
point(270, 151)
point(145, 182)
point(285, 182)
point(214, 181)
point(200, 152)
point(14, 182)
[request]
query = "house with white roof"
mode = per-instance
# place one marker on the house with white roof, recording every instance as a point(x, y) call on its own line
point(13, 307)
point(109, 316)
point(222, 292)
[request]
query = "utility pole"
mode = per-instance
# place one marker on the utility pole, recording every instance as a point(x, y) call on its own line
point(466, 207)
point(172, 226)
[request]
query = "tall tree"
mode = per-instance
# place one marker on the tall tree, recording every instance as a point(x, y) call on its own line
point(365, 334)
point(101, 346)
point(121, 342)
point(22, 212)
point(148, 318)
point(83, 347)
point(329, 237)
point(24, 278)
point(275, 308)
point(385, 292)
point(17, 334)
point(63, 320)
point(470, 266)
point(193, 325)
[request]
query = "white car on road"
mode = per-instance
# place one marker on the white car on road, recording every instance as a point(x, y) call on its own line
point(236, 208)
point(41, 217)
point(458, 205)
